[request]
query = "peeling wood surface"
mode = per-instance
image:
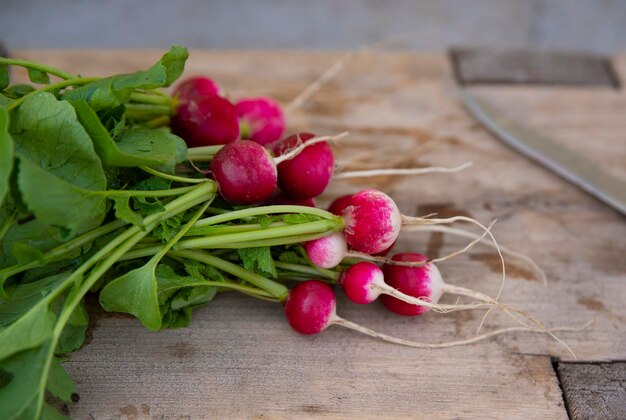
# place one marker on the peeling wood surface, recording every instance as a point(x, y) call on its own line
point(594, 390)
point(240, 359)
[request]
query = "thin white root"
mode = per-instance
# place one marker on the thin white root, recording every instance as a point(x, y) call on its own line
point(435, 307)
point(300, 147)
point(368, 159)
point(390, 261)
point(407, 220)
point(509, 310)
point(318, 83)
point(465, 234)
point(334, 69)
point(364, 330)
point(400, 171)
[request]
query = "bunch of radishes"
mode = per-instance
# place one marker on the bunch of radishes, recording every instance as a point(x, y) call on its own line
point(254, 165)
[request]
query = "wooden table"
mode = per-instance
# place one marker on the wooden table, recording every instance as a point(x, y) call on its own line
point(240, 358)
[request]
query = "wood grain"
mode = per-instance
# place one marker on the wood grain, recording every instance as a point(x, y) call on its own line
point(594, 391)
point(240, 359)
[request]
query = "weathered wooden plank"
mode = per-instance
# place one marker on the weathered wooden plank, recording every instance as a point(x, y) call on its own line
point(245, 362)
point(594, 390)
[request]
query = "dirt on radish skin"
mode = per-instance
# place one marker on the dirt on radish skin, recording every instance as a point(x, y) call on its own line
point(308, 174)
point(206, 120)
point(244, 172)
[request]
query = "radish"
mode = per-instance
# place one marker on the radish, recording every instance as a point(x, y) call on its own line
point(364, 282)
point(260, 119)
point(244, 172)
point(206, 120)
point(339, 204)
point(337, 207)
point(308, 174)
point(423, 282)
point(311, 306)
point(247, 174)
point(327, 252)
point(372, 220)
point(194, 86)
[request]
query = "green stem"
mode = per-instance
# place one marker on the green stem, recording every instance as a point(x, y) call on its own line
point(307, 269)
point(147, 98)
point(60, 85)
point(141, 110)
point(263, 210)
point(147, 193)
point(118, 246)
point(63, 249)
point(202, 153)
point(37, 66)
point(285, 240)
point(157, 122)
point(250, 291)
point(267, 233)
point(6, 225)
point(187, 201)
point(181, 232)
point(172, 177)
point(283, 235)
point(222, 229)
point(275, 289)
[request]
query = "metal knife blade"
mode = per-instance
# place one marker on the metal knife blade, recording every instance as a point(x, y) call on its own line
point(566, 163)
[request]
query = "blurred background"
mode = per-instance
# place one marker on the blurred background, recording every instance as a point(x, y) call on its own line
point(591, 25)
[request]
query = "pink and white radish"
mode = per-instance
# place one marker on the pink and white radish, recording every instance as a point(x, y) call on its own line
point(260, 119)
point(327, 252)
point(414, 290)
point(372, 221)
point(311, 307)
point(337, 207)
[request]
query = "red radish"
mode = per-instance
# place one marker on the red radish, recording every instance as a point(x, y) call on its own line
point(244, 172)
point(247, 174)
point(372, 220)
point(310, 307)
point(327, 252)
point(307, 175)
point(206, 120)
point(260, 120)
point(339, 204)
point(194, 86)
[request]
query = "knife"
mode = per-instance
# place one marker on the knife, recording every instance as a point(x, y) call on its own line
point(569, 165)
point(564, 162)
